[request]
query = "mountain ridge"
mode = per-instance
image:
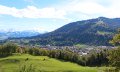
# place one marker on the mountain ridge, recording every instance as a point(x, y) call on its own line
point(17, 34)
point(97, 31)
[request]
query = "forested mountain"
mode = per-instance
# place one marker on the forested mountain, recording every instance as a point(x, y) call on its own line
point(92, 32)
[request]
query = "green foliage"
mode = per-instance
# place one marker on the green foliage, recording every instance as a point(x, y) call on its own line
point(116, 40)
point(38, 51)
point(98, 59)
point(111, 70)
point(114, 57)
point(7, 49)
point(10, 47)
point(27, 68)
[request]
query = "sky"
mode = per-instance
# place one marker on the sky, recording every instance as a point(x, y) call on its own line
point(48, 15)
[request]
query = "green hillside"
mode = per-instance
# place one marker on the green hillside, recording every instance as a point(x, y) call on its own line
point(96, 31)
point(41, 64)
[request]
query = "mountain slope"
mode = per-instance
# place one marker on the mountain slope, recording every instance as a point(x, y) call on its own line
point(92, 32)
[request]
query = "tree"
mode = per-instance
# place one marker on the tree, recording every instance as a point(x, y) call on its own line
point(114, 55)
point(116, 39)
point(10, 47)
point(7, 49)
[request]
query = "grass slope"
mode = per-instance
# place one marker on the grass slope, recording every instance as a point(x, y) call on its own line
point(13, 63)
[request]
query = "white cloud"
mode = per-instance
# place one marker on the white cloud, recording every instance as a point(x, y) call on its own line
point(86, 8)
point(93, 8)
point(28, 0)
point(113, 10)
point(32, 12)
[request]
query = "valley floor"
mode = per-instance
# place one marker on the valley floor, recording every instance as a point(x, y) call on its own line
point(42, 64)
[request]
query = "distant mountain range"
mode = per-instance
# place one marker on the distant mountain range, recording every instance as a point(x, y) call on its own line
point(96, 31)
point(17, 34)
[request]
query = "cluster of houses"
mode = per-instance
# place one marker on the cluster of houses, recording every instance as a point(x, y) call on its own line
point(76, 49)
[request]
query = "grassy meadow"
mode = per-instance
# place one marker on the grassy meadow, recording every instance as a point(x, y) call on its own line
point(41, 64)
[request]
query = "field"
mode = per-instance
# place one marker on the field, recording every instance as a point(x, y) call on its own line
point(41, 64)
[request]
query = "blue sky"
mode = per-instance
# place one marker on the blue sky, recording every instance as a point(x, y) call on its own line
point(48, 15)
